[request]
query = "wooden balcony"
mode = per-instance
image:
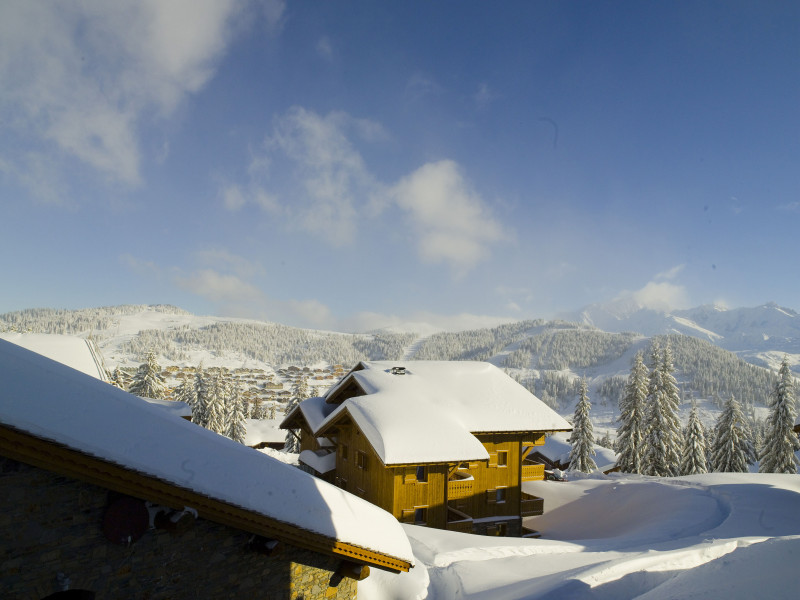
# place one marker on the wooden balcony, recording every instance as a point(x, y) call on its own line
point(458, 521)
point(461, 486)
point(531, 506)
point(532, 472)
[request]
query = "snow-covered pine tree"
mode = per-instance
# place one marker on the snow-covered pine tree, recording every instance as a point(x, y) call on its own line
point(186, 392)
point(271, 412)
point(693, 461)
point(582, 436)
point(201, 390)
point(780, 440)
point(292, 443)
point(215, 403)
point(631, 431)
point(148, 382)
point(663, 439)
point(235, 426)
point(731, 440)
point(119, 379)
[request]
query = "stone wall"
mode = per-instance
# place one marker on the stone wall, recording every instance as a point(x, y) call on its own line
point(51, 537)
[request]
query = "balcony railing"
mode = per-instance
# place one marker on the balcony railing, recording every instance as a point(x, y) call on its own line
point(532, 472)
point(460, 486)
point(458, 521)
point(531, 506)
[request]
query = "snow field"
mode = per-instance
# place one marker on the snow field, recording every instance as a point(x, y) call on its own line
point(720, 535)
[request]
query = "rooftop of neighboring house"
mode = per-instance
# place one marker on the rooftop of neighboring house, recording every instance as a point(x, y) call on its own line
point(74, 352)
point(49, 401)
point(428, 411)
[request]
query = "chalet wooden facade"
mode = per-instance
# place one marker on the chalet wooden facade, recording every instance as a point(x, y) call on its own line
point(434, 443)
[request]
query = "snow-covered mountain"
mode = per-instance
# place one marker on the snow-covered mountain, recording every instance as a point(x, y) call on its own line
point(761, 335)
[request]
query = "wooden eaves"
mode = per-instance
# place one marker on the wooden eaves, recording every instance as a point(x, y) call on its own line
point(58, 458)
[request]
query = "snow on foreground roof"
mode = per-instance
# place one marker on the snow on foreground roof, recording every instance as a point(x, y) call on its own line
point(715, 536)
point(54, 402)
point(72, 351)
point(430, 413)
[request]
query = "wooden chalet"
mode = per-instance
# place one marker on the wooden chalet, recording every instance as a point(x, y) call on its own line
point(105, 494)
point(441, 444)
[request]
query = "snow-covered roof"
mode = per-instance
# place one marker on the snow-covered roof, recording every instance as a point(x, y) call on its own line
point(53, 402)
point(320, 462)
point(430, 413)
point(74, 352)
point(557, 449)
point(263, 430)
point(180, 409)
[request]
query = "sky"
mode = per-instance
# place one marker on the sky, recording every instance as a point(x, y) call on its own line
point(355, 165)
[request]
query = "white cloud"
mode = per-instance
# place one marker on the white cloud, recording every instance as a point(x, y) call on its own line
point(662, 296)
point(661, 293)
point(328, 181)
point(324, 48)
point(453, 223)
point(484, 96)
point(78, 76)
point(669, 273)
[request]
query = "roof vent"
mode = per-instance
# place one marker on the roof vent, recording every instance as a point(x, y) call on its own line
point(398, 370)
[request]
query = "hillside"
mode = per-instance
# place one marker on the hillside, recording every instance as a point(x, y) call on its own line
point(548, 357)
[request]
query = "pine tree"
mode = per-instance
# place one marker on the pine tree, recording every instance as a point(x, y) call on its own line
point(731, 440)
point(215, 403)
point(292, 444)
point(663, 428)
point(780, 440)
point(694, 459)
point(187, 392)
point(201, 405)
point(119, 379)
point(582, 437)
point(630, 434)
point(148, 382)
point(235, 426)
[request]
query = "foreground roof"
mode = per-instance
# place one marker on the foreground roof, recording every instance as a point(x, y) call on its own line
point(430, 413)
point(44, 400)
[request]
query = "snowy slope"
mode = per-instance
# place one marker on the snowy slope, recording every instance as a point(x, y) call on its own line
point(752, 332)
point(716, 536)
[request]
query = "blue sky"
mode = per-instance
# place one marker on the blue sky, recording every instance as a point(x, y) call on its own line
point(351, 165)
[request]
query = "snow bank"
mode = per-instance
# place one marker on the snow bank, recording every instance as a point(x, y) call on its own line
point(722, 535)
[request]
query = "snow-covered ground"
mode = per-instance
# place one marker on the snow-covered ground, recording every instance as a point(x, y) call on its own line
point(721, 535)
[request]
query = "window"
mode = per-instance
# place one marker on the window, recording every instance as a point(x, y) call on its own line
point(420, 515)
point(502, 458)
point(422, 474)
point(361, 460)
point(500, 495)
point(343, 452)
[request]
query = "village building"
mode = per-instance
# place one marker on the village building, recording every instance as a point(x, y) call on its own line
point(441, 444)
point(105, 495)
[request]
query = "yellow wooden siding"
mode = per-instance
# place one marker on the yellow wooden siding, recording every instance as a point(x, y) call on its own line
point(532, 472)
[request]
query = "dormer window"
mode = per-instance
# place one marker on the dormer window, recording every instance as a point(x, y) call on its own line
point(398, 370)
point(422, 474)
